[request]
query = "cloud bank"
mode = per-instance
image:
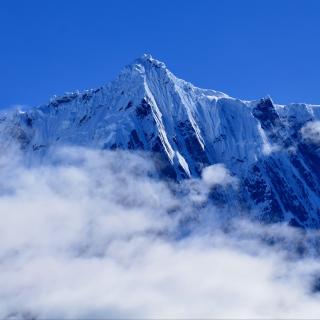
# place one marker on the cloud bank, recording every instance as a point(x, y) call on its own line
point(96, 235)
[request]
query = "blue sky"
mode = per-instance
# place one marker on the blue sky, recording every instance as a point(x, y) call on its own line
point(247, 49)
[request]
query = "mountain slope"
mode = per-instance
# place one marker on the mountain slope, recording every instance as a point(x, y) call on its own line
point(188, 128)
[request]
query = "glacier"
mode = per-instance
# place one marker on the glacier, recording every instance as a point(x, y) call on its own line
point(186, 129)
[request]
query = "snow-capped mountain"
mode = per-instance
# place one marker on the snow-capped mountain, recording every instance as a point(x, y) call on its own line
point(188, 128)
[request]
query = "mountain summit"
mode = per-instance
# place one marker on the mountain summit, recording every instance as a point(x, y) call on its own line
point(188, 128)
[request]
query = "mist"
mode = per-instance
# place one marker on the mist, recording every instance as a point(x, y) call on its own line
point(95, 234)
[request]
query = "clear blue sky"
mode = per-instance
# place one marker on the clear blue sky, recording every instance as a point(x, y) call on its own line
point(247, 49)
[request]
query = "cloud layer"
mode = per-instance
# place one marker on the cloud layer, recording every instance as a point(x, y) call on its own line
point(95, 235)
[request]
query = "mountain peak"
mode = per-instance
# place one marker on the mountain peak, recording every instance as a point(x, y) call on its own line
point(141, 66)
point(186, 128)
point(147, 60)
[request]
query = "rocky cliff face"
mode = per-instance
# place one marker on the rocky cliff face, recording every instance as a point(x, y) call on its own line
point(187, 128)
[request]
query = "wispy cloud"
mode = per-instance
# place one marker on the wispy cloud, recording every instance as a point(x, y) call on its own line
point(311, 131)
point(217, 174)
point(267, 147)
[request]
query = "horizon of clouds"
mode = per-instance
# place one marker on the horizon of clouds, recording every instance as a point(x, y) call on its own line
point(95, 234)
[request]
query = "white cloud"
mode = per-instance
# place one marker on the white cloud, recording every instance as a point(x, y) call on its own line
point(91, 237)
point(217, 174)
point(267, 147)
point(311, 131)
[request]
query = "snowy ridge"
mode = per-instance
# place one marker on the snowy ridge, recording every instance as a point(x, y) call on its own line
point(147, 108)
